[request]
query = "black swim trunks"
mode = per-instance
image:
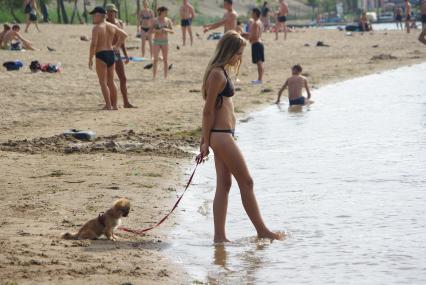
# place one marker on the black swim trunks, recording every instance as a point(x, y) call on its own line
point(423, 19)
point(408, 18)
point(297, 101)
point(186, 22)
point(33, 16)
point(257, 52)
point(107, 56)
point(282, 19)
point(398, 18)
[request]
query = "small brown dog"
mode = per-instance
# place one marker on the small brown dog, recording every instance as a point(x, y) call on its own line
point(105, 223)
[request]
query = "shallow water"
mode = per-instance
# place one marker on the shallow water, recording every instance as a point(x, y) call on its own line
point(376, 26)
point(346, 178)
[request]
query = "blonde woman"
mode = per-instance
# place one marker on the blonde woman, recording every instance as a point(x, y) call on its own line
point(162, 26)
point(218, 133)
point(145, 19)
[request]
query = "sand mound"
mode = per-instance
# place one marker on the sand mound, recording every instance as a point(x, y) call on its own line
point(125, 142)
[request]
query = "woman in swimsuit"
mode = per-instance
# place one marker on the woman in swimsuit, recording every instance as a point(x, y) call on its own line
point(145, 19)
point(218, 133)
point(30, 10)
point(161, 27)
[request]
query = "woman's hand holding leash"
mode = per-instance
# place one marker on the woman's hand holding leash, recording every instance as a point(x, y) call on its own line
point(204, 152)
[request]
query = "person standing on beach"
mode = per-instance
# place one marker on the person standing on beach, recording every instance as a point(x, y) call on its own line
point(407, 15)
point(30, 10)
point(104, 34)
point(257, 48)
point(422, 36)
point(398, 18)
point(119, 65)
point(229, 20)
point(145, 19)
point(162, 26)
point(281, 19)
point(218, 133)
point(295, 85)
point(265, 17)
point(187, 15)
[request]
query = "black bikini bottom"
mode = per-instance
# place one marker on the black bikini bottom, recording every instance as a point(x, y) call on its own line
point(106, 56)
point(228, 131)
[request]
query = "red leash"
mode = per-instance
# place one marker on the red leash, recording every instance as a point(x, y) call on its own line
point(142, 231)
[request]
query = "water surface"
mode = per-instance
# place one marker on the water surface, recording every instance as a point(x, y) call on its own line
point(346, 178)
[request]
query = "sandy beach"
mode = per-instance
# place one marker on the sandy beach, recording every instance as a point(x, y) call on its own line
point(51, 184)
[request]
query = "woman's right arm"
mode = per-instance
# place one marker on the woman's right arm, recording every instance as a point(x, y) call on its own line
point(215, 83)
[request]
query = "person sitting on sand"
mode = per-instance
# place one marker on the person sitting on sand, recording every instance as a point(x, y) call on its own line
point(119, 65)
point(295, 85)
point(364, 25)
point(187, 15)
point(30, 10)
point(103, 36)
point(422, 36)
point(218, 133)
point(12, 40)
point(162, 26)
point(229, 20)
point(281, 19)
point(145, 18)
point(6, 28)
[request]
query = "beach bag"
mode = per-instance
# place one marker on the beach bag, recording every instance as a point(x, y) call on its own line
point(50, 68)
point(13, 65)
point(35, 66)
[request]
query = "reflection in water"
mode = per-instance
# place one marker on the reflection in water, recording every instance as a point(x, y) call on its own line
point(346, 178)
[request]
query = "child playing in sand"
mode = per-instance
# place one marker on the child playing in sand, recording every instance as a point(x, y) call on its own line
point(12, 40)
point(295, 85)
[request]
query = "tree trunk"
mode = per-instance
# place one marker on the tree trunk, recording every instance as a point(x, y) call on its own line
point(74, 12)
point(126, 12)
point(85, 12)
point(12, 12)
point(64, 12)
point(138, 6)
point(105, 2)
point(58, 10)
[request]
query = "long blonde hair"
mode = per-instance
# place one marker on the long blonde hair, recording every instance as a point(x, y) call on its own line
point(226, 49)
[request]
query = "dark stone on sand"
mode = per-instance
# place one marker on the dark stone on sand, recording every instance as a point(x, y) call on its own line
point(383, 56)
point(266, 90)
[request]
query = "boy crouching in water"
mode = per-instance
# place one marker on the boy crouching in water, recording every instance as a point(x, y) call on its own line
point(295, 85)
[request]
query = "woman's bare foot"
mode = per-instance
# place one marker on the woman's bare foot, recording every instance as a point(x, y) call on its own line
point(271, 235)
point(106, 108)
point(221, 240)
point(128, 105)
point(115, 108)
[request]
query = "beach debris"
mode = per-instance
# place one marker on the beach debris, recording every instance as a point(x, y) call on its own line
point(194, 91)
point(321, 44)
point(81, 135)
point(383, 56)
point(375, 46)
point(13, 65)
point(307, 45)
point(84, 38)
point(349, 34)
point(163, 273)
point(170, 66)
point(215, 36)
point(148, 66)
point(178, 47)
point(50, 49)
point(238, 89)
point(266, 90)
point(198, 36)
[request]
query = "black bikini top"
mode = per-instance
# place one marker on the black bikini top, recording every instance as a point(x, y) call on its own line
point(228, 90)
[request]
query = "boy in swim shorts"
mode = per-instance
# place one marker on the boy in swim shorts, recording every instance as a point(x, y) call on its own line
point(257, 48)
point(295, 85)
point(281, 19)
point(187, 15)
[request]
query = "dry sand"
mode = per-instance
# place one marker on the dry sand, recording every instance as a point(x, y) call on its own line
point(51, 184)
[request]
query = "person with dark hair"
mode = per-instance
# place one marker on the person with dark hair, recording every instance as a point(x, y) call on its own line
point(265, 16)
point(229, 20)
point(162, 26)
point(119, 65)
point(6, 28)
point(187, 15)
point(145, 19)
point(295, 85)
point(106, 42)
point(257, 48)
point(218, 133)
point(30, 10)
point(12, 40)
point(281, 19)
point(398, 18)
point(407, 15)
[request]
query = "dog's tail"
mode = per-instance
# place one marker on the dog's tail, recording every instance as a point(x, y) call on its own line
point(69, 236)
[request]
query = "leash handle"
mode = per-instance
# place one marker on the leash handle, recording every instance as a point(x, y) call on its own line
point(142, 231)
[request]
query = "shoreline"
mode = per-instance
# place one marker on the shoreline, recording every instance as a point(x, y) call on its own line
point(46, 185)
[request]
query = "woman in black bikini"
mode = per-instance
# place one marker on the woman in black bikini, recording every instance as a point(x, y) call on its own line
point(146, 16)
point(218, 133)
point(30, 10)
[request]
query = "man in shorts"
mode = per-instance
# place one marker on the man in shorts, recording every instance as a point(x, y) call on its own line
point(282, 19)
point(187, 15)
point(229, 20)
point(257, 48)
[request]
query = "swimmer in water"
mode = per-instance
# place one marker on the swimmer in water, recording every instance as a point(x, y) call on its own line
point(295, 85)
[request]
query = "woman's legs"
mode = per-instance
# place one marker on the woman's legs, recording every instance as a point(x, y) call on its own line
point(155, 62)
point(149, 38)
point(143, 40)
point(165, 52)
point(227, 151)
point(28, 22)
point(220, 203)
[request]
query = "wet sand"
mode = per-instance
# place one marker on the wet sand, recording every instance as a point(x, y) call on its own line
point(51, 184)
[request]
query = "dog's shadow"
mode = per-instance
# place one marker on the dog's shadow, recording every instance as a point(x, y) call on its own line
point(101, 245)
